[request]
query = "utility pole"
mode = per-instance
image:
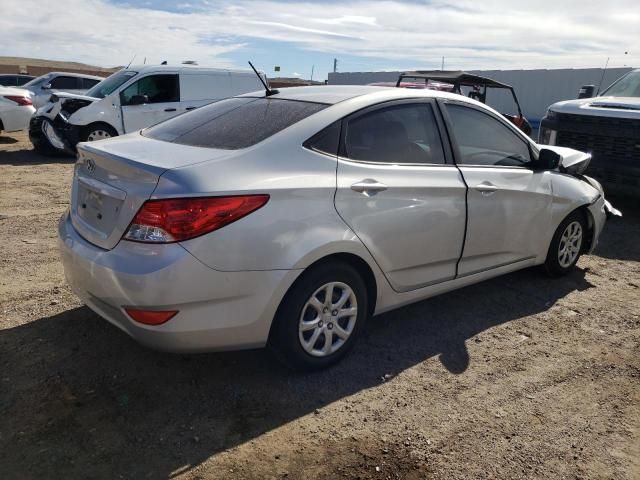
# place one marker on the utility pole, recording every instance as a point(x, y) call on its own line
point(335, 65)
point(442, 67)
point(312, 67)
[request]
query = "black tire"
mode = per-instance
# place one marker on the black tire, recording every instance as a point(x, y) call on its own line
point(94, 127)
point(42, 146)
point(553, 265)
point(285, 335)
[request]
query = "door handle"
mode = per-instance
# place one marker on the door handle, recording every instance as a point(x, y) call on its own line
point(190, 108)
point(486, 188)
point(169, 109)
point(368, 186)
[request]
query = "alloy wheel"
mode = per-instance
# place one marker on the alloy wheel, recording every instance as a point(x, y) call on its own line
point(327, 319)
point(570, 243)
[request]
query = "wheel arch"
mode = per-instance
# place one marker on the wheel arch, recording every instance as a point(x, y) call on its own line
point(591, 231)
point(351, 259)
point(588, 217)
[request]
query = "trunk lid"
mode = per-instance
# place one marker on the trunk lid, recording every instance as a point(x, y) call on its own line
point(113, 178)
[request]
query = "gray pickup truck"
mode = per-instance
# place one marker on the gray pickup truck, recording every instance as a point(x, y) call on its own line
point(607, 126)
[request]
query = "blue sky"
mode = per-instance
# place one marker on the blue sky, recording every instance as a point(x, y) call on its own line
point(297, 35)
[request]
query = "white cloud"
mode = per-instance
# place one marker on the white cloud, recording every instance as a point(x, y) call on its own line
point(296, 74)
point(470, 34)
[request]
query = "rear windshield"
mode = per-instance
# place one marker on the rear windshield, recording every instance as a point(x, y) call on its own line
point(233, 123)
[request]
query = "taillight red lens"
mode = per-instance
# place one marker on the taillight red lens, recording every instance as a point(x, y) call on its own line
point(178, 219)
point(151, 317)
point(22, 101)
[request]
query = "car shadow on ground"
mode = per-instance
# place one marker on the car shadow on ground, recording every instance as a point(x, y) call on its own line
point(19, 158)
point(7, 140)
point(100, 405)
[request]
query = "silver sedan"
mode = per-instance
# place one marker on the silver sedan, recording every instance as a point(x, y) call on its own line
point(288, 219)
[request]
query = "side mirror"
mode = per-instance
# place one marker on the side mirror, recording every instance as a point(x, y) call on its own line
point(547, 160)
point(138, 100)
point(586, 91)
point(46, 86)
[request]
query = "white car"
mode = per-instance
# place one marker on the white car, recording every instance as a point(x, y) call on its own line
point(288, 218)
point(16, 109)
point(131, 99)
point(43, 87)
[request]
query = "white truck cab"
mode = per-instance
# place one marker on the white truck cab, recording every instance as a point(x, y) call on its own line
point(131, 99)
point(606, 126)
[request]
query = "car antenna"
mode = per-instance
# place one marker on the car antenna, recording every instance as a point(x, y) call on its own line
point(602, 78)
point(132, 59)
point(268, 91)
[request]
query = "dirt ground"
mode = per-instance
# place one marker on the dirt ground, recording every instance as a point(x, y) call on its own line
point(517, 377)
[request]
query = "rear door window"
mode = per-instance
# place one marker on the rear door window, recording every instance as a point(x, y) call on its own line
point(88, 83)
point(65, 83)
point(8, 81)
point(233, 123)
point(405, 133)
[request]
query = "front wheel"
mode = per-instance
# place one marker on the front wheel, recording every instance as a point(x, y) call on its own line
point(320, 317)
point(98, 132)
point(567, 245)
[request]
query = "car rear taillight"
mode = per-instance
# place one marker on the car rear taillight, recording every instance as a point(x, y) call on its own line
point(22, 101)
point(178, 219)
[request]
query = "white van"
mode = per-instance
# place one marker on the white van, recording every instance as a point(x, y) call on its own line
point(131, 99)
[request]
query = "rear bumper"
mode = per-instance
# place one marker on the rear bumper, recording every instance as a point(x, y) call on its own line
point(16, 118)
point(217, 310)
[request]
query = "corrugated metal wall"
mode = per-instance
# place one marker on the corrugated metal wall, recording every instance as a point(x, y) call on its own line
point(536, 89)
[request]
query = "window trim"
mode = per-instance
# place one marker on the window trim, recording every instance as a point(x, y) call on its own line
point(309, 142)
point(448, 155)
point(137, 78)
point(442, 103)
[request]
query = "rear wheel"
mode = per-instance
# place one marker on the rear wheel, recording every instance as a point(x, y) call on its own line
point(567, 245)
point(98, 131)
point(320, 317)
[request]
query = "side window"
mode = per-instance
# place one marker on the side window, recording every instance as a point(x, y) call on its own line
point(64, 83)
point(406, 133)
point(483, 140)
point(157, 88)
point(88, 83)
point(327, 140)
point(7, 81)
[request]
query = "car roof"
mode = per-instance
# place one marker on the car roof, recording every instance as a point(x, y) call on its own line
point(71, 74)
point(180, 68)
point(333, 94)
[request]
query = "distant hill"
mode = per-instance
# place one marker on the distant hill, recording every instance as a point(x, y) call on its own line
point(38, 66)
